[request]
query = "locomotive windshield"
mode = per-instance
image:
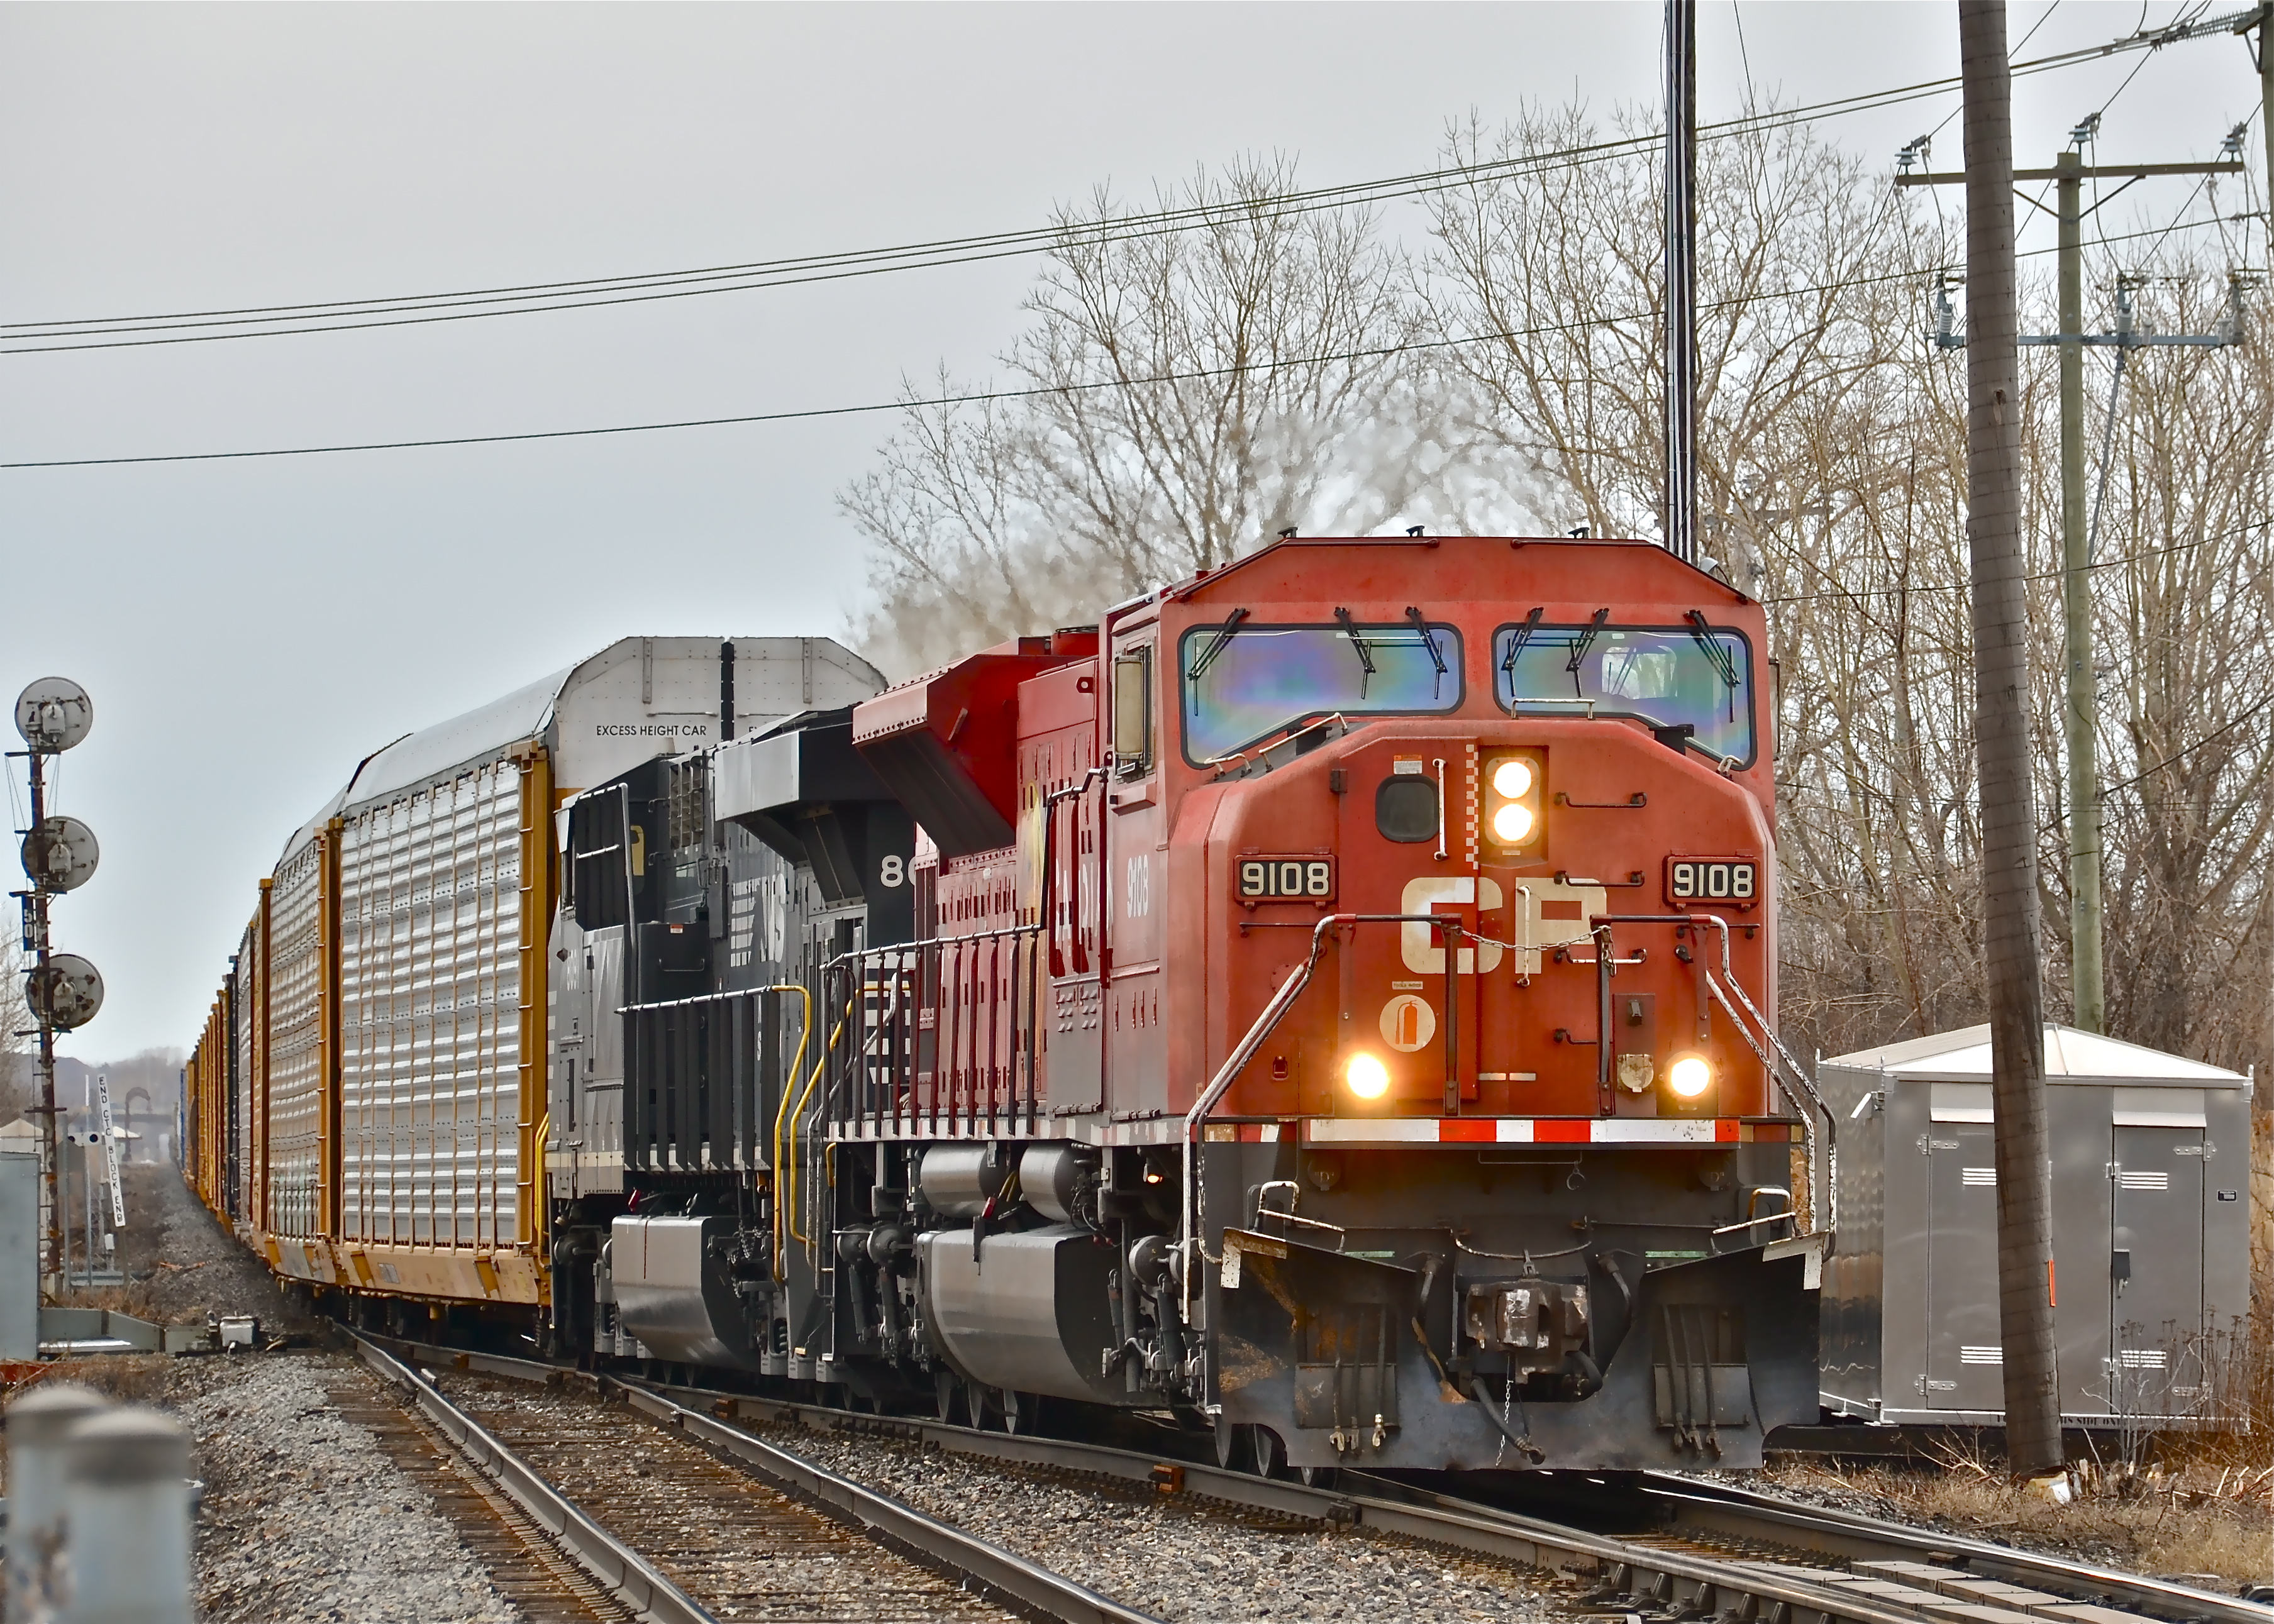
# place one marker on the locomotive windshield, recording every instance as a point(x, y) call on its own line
point(1665, 676)
point(1244, 683)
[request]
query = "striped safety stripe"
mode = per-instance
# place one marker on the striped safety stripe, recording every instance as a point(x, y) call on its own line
point(1526, 1131)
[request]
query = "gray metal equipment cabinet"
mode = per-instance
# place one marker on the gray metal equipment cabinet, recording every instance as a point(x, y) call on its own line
point(2151, 1231)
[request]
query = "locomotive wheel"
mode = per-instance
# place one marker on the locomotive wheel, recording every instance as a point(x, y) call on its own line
point(979, 1402)
point(944, 1385)
point(1022, 1412)
point(1230, 1443)
point(1317, 1476)
point(1267, 1456)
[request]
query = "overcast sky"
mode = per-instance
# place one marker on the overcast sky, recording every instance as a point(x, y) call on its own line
point(250, 630)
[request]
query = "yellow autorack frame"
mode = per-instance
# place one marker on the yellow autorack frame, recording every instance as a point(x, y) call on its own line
point(411, 906)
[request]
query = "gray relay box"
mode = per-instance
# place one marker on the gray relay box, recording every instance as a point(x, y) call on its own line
point(2151, 1231)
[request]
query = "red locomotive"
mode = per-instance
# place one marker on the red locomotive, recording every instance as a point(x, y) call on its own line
point(1340, 1010)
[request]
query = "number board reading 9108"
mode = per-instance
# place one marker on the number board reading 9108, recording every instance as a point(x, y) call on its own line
point(1286, 879)
point(1720, 881)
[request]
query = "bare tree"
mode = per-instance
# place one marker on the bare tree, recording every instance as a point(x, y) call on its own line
point(955, 535)
point(1181, 394)
point(17, 1088)
point(1831, 451)
point(2187, 597)
point(1267, 367)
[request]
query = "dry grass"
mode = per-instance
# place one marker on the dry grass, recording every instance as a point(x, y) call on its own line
point(134, 1298)
point(123, 1377)
point(2240, 1381)
point(2166, 1521)
point(2163, 1502)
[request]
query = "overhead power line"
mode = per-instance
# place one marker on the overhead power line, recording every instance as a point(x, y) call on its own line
point(532, 298)
point(1857, 594)
point(976, 397)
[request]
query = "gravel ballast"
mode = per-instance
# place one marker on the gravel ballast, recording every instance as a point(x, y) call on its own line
point(306, 1520)
point(1183, 1559)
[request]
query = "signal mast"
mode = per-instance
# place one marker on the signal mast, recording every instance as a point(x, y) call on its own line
point(63, 991)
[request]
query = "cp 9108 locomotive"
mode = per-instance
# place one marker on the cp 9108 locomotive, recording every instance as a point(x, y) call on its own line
point(1330, 1000)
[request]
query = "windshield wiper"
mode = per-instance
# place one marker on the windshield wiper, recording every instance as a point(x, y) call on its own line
point(1517, 639)
point(1216, 644)
point(1580, 645)
point(1364, 654)
point(1723, 660)
point(1421, 626)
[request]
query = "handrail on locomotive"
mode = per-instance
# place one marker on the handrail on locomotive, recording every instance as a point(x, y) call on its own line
point(1190, 1238)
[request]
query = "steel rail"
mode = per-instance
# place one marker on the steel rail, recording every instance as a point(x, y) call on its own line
point(1641, 1571)
point(1723, 1509)
point(1651, 1576)
point(1671, 1579)
point(1676, 1579)
point(635, 1581)
point(1032, 1589)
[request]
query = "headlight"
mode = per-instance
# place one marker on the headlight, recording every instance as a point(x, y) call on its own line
point(1690, 1077)
point(1366, 1077)
point(1513, 805)
point(1511, 824)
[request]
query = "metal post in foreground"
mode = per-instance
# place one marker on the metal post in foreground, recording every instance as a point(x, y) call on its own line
point(2001, 687)
point(126, 1507)
point(38, 1424)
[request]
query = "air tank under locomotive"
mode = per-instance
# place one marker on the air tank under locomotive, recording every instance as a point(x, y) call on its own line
point(1330, 999)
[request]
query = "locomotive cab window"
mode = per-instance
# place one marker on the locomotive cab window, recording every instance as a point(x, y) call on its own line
point(1242, 684)
point(1698, 675)
point(1132, 711)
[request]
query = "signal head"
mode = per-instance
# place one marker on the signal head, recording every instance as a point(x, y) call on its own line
point(54, 714)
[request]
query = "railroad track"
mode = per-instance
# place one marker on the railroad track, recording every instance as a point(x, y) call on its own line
point(663, 1532)
point(1689, 1506)
point(1713, 1552)
point(527, 1568)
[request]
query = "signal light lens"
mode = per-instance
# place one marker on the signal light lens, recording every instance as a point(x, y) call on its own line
point(1511, 824)
point(1366, 1077)
point(1690, 1077)
point(1512, 779)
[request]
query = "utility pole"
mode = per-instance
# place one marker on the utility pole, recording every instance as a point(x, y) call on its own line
point(2080, 700)
point(2001, 680)
point(2266, 106)
point(2079, 711)
point(1681, 279)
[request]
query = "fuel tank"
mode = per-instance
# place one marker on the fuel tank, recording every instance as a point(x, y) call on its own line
point(680, 1291)
point(1030, 1311)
